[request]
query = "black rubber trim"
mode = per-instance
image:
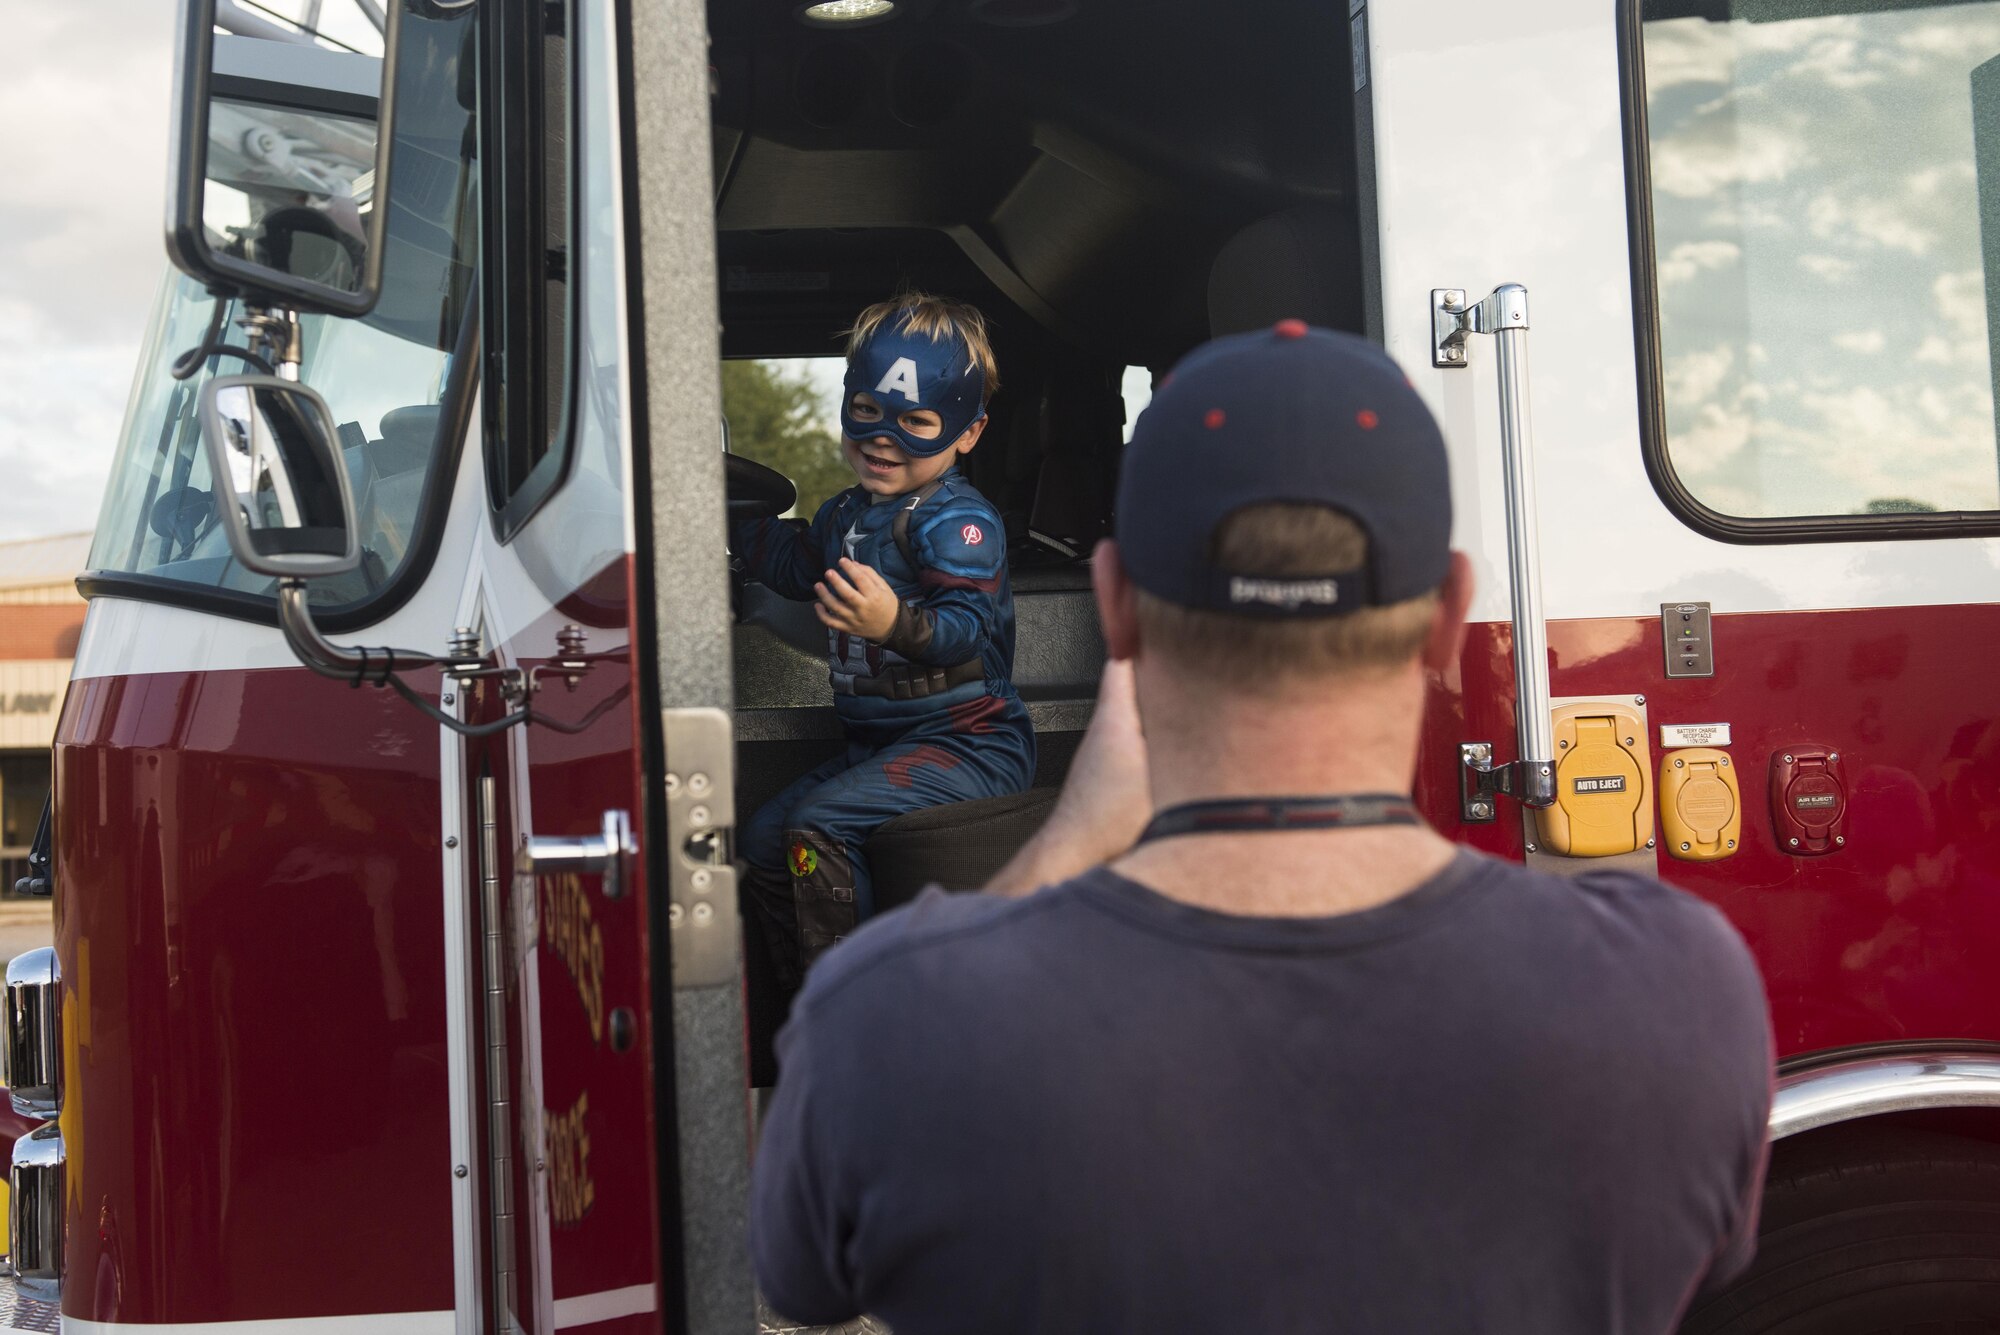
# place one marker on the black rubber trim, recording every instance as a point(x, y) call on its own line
point(432, 510)
point(506, 141)
point(670, 1186)
point(1652, 394)
point(293, 97)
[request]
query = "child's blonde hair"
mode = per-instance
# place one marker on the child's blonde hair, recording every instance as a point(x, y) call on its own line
point(938, 317)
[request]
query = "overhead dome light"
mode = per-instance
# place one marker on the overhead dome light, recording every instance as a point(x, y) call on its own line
point(846, 13)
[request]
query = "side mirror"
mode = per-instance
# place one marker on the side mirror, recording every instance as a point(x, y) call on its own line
point(280, 482)
point(278, 192)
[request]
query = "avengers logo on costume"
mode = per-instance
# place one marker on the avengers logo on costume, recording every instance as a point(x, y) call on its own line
point(972, 536)
point(804, 861)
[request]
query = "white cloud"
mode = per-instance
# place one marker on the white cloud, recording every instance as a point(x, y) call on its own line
point(1881, 221)
point(1713, 437)
point(1961, 302)
point(1960, 299)
point(1686, 51)
point(1862, 340)
point(1832, 268)
point(1836, 61)
point(1691, 257)
point(62, 402)
point(1938, 35)
point(86, 87)
point(1694, 377)
point(1701, 160)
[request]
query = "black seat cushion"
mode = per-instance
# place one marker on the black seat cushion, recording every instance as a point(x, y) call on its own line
point(959, 845)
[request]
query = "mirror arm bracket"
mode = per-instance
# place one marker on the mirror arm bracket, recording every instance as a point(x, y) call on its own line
point(274, 333)
point(356, 667)
point(360, 666)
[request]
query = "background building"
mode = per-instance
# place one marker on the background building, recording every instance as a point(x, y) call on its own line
point(41, 615)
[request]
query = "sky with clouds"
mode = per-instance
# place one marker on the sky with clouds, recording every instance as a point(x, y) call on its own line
point(1824, 304)
point(84, 87)
point(1822, 287)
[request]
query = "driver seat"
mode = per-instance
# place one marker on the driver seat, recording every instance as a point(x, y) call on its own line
point(958, 846)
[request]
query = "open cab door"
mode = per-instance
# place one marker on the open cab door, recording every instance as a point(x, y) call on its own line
point(682, 627)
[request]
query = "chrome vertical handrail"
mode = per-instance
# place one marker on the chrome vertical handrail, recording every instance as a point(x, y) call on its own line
point(1504, 314)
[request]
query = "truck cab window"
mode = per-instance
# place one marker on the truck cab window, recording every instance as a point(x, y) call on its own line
point(784, 412)
point(391, 377)
point(526, 75)
point(1823, 188)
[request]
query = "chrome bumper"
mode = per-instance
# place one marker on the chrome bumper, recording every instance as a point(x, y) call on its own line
point(31, 1063)
point(35, 1216)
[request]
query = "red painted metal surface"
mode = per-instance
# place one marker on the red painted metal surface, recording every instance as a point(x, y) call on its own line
point(250, 927)
point(251, 931)
point(597, 1183)
point(1890, 937)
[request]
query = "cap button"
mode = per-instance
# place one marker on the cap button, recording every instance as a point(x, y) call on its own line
point(1289, 329)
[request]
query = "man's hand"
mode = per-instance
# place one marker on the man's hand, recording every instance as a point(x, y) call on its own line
point(1106, 800)
point(856, 599)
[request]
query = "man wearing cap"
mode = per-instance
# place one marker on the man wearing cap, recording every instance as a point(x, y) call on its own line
point(1261, 1051)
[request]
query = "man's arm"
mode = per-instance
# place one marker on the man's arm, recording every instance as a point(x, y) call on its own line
point(1105, 802)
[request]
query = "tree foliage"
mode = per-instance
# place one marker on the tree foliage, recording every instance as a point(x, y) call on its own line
point(777, 418)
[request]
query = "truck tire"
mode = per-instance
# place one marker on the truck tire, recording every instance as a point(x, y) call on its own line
point(1871, 1233)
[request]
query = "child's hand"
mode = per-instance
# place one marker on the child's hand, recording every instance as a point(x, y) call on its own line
point(861, 604)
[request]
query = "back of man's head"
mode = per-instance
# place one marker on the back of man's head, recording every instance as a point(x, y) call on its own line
point(1284, 513)
point(1264, 655)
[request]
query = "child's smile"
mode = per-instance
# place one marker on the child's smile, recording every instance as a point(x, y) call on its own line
point(881, 460)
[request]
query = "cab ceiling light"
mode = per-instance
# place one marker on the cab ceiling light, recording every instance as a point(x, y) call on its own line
point(846, 13)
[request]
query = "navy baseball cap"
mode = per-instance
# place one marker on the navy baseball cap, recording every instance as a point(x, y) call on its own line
point(1287, 414)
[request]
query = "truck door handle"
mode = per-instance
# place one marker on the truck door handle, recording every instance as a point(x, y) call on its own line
point(1504, 315)
point(602, 854)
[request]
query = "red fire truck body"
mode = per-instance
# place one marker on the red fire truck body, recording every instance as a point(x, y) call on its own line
point(372, 1022)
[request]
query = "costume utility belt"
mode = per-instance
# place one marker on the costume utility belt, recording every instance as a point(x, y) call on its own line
point(906, 681)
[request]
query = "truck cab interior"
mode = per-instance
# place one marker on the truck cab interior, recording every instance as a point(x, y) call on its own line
point(1111, 182)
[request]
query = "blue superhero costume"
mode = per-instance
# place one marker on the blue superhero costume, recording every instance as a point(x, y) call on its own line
point(930, 712)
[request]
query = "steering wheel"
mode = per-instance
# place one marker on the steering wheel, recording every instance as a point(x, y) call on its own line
point(756, 492)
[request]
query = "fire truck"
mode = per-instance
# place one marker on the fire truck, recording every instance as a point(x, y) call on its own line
point(398, 980)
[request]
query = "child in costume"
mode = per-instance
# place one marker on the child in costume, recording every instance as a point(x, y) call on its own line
point(909, 573)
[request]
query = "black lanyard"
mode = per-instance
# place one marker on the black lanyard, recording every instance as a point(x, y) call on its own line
point(1244, 815)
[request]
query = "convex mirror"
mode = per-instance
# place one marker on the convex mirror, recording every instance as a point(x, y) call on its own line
point(280, 482)
point(281, 154)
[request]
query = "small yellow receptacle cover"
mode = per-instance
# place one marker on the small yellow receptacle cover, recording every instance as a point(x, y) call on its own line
point(1701, 807)
point(1602, 804)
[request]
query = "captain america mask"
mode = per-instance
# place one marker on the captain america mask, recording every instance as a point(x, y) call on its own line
point(904, 372)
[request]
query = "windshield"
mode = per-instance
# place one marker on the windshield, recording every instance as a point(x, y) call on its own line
point(384, 376)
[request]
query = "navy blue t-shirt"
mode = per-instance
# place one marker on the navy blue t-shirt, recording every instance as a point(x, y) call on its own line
point(1505, 1101)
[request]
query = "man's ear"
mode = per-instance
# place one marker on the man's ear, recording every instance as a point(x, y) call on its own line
point(1447, 635)
point(971, 437)
point(1117, 601)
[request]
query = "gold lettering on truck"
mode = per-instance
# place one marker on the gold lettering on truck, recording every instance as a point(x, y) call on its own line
point(571, 1190)
point(569, 929)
